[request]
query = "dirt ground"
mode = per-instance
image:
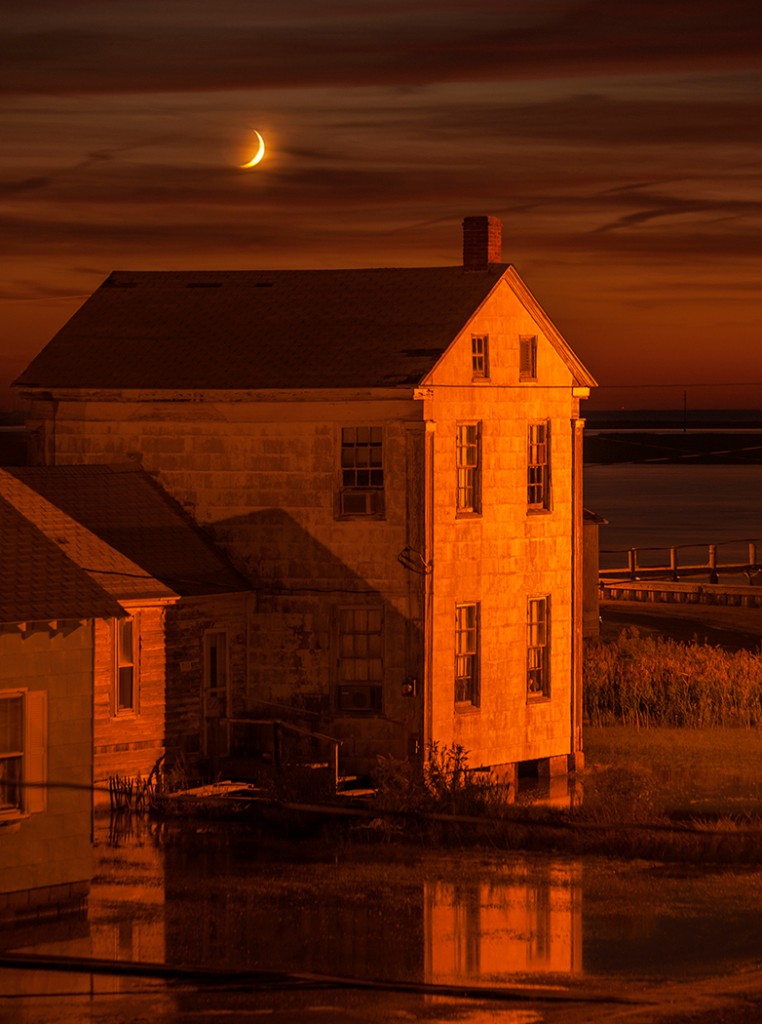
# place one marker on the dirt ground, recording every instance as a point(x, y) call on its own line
point(730, 628)
point(735, 999)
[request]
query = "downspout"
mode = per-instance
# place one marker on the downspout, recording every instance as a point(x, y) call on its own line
point(577, 757)
point(428, 683)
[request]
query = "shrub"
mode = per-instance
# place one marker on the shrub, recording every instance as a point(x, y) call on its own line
point(442, 784)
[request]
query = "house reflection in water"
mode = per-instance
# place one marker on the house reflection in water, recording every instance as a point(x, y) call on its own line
point(114, 910)
point(481, 931)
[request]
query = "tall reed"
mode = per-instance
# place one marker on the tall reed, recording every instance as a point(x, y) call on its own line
point(645, 680)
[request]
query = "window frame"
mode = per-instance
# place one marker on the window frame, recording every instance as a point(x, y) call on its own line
point(480, 356)
point(12, 755)
point(359, 692)
point(30, 797)
point(468, 481)
point(467, 661)
point(360, 498)
point(538, 648)
point(538, 466)
point(527, 357)
point(124, 661)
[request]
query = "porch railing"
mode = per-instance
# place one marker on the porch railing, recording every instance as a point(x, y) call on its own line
point(281, 728)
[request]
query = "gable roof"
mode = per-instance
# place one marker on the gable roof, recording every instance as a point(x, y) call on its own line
point(38, 583)
point(213, 330)
point(125, 508)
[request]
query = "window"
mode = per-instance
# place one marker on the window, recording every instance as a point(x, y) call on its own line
point(538, 647)
point(538, 466)
point(362, 471)
point(467, 654)
point(11, 753)
point(528, 357)
point(467, 456)
point(22, 752)
point(480, 355)
point(360, 659)
point(126, 682)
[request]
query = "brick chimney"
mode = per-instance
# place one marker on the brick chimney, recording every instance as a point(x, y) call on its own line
point(482, 242)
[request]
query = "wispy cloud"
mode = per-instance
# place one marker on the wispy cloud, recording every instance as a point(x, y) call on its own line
point(195, 46)
point(618, 141)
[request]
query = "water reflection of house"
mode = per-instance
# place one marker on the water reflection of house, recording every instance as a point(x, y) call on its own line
point(392, 458)
point(529, 922)
point(180, 622)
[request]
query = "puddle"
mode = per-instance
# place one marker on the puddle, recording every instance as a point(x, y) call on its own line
point(218, 898)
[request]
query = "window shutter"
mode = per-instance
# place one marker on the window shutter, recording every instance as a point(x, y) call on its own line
point(35, 751)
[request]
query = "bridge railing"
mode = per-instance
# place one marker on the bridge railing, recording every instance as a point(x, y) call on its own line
point(674, 569)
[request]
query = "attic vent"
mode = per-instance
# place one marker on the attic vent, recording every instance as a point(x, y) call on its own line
point(111, 283)
point(204, 284)
point(263, 284)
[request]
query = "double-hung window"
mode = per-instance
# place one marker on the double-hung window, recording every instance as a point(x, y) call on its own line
point(362, 471)
point(480, 356)
point(467, 654)
point(538, 466)
point(126, 665)
point(538, 647)
point(360, 659)
point(22, 752)
point(468, 461)
point(528, 357)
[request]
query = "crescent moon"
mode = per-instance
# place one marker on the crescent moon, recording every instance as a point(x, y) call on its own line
point(259, 153)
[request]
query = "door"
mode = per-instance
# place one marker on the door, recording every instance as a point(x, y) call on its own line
point(216, 696)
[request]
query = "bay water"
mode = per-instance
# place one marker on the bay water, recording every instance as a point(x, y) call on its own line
point(658, 506)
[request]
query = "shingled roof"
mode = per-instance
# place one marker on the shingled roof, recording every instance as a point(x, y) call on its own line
point(131, 513)
point(263, 329)
point(38, 583)
point(41, 584)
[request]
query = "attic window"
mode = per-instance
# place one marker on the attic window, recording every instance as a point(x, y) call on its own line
point(204, 284)
point(480, 356)
point(528, 357)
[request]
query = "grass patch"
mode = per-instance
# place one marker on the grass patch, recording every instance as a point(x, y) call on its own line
point(691, 772)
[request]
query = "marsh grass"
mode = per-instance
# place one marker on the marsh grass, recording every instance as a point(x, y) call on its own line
point(645, 681)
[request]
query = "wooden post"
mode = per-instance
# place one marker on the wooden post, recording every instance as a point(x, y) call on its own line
point(673, 563)
point(752, 555)
point(713, 577)
point(277, 744)
point(632, 563)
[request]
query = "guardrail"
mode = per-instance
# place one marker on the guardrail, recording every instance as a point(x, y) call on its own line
point(674, 570)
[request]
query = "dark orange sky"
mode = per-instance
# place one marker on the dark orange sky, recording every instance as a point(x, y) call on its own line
point(618, 141)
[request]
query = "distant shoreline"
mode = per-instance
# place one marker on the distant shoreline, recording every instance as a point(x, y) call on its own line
point(672, 446)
